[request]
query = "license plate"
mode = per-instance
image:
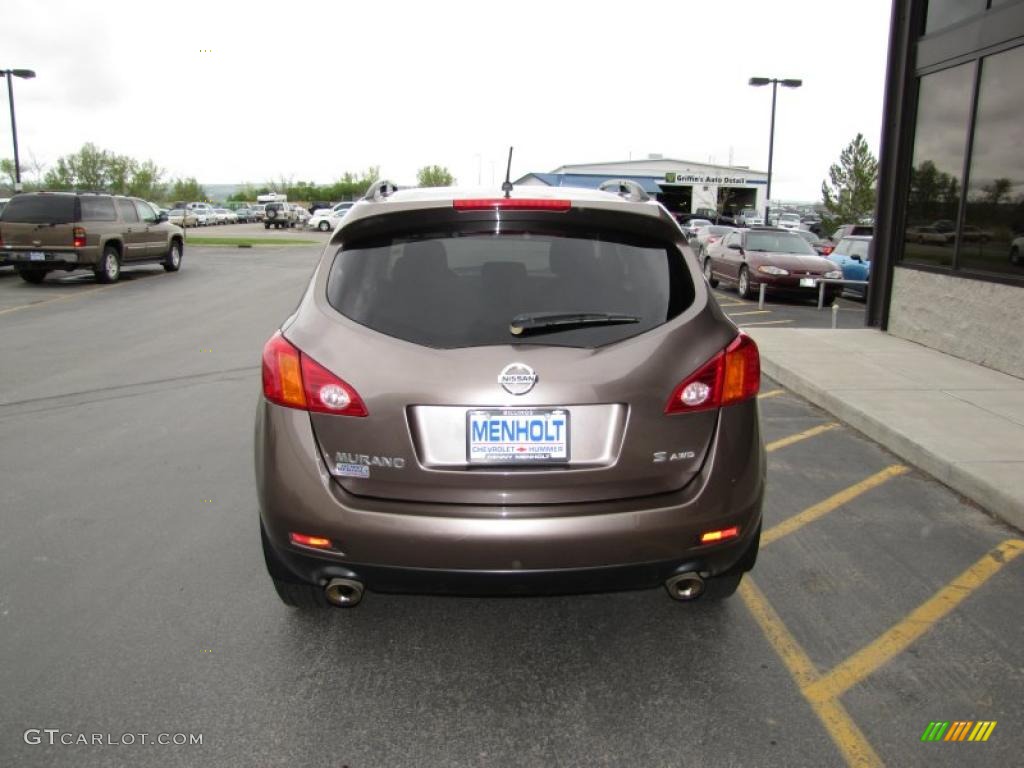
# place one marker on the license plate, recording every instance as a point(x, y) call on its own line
point(520, 435)
point(808, 282)
point(36, 256)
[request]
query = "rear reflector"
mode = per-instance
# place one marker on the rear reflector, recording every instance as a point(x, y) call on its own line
point(511, 204)
point(317, 542)
point(710, 537)
point(731, 376)
point(295, 380)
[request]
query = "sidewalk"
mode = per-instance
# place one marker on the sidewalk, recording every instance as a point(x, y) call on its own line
point(961, 423)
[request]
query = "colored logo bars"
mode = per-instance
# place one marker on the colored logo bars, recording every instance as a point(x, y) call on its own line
point(958, 730)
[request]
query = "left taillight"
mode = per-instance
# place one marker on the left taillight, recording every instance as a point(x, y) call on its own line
point(78, 235)
point(730, 377)
point(295, 380)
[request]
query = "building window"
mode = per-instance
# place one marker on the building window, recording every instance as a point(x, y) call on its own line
point(994, 219)
point(940, 139)
point(945, 13)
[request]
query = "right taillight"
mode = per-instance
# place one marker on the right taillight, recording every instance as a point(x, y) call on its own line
point(295, 380)
point(78, 235)
point(731, 376)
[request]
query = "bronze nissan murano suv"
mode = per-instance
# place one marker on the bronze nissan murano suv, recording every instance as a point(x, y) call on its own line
point(520, 394)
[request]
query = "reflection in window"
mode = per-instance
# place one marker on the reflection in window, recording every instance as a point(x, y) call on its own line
point(994, 223)
point(940, 136)
point(944, 13)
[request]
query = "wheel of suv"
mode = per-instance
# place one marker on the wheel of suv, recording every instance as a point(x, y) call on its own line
point(173, 261)
point(32, 275)
point(323, 226)
point(108, 270)
point(709, 274)
point(1015, 255)
point(271, 213)
point(266, 225)
point(743, 285)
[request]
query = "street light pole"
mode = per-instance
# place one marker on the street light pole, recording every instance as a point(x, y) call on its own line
point(10, 74)
point(787, 83)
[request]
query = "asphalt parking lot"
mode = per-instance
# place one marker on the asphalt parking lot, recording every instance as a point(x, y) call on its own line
point(133, 597)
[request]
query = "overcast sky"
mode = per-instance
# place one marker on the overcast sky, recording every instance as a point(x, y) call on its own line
point(250, 91)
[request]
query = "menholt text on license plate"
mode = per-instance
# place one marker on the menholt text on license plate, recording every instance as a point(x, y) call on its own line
point(517, 435)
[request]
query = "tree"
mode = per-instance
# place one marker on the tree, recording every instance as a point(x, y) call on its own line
point(188, 190)
point(997, 190)
point(849, 193)
point(92, 168)
point(7, 171)
point(434, 176)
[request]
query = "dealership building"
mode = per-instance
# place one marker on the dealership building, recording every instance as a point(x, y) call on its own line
point(948, 261)
point(682, 186)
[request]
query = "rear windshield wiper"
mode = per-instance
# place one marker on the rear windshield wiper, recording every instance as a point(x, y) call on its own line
point(538, 322)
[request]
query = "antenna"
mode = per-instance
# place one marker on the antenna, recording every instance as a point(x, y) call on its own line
point(506, 187)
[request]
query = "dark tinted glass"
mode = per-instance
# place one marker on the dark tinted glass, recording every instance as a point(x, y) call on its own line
point(778, 242)
point(40, 209)
point(940, 138)
point(128, 212)
point(462, 290)
point(98, 209)
point(944, 13)
point(994, 223)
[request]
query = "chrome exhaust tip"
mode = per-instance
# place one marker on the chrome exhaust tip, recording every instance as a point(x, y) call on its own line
point(344, 593)
point(685, 586)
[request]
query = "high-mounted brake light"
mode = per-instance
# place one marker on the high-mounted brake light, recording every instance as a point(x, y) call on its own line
point(317, 542)
point(78, 233)
point(731, 376)
point(511, 204)
point(710, 537)
point(295, 380)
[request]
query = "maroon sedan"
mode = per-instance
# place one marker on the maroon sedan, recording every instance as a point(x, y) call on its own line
point(780, 259)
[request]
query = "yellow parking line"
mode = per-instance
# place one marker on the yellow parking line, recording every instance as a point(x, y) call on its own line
point(736, 304)
point(898, 638)
point(56, 299)
point(771, 393)
point(853, 745)
point(766, 322)
point(774, 446)
point(822, 508)
point(754, 312)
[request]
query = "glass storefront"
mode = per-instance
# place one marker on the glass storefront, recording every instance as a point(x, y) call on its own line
point(940, 139)
point(992, 237)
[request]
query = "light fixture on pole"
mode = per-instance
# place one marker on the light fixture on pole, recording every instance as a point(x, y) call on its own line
point(10, 74)
point(775, 83)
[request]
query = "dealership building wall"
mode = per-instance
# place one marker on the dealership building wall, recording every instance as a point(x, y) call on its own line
point(682, 186)
point(949, 242)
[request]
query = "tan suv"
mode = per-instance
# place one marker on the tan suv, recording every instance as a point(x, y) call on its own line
point(41, 232)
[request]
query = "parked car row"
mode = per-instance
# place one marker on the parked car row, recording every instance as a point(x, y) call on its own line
point(784, 260)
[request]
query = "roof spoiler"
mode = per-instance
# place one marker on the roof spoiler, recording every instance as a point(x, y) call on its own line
point(626, 189)
point(380, 189)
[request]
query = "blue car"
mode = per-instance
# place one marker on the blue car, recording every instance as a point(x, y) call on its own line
point(852, 255)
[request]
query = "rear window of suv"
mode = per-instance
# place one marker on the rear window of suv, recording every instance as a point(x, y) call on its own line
point(464, 289)
point(40, 209)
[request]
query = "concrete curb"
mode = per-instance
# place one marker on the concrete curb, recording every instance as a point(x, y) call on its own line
point(960, 477)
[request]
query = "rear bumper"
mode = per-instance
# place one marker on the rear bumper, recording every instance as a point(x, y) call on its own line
point(402, 546)
point(289, 565)
point(49, 258)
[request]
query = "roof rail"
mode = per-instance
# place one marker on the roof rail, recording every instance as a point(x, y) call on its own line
point(380, 189)
point(626, 189)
